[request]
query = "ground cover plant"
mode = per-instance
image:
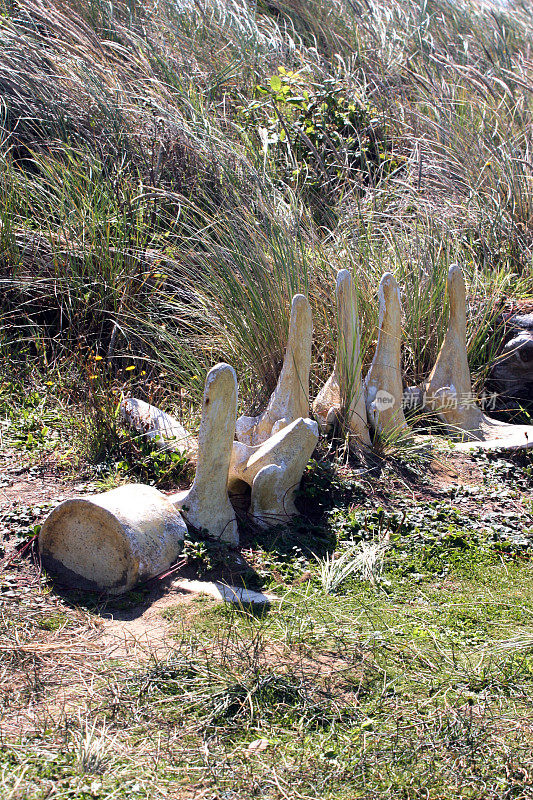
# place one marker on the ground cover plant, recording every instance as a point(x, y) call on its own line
point(171, 174)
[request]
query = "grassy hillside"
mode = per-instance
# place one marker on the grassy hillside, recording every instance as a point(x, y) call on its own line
point(172, 173)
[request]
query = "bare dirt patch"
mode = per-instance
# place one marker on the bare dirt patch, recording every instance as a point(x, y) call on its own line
point(141, 632)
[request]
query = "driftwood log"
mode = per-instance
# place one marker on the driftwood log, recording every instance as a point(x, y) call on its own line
point(511, 376)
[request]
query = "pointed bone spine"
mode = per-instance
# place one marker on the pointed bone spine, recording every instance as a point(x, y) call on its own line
point(384, 391)
point(342, 396)
point(290, 399)
point(448, 391)
point(206, 504)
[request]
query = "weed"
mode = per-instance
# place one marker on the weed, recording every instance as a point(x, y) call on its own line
point(364, 559)
point(92, 746)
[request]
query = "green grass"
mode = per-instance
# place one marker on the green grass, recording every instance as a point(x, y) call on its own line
point(411, 680)
point(412, 691)
point(161, 228)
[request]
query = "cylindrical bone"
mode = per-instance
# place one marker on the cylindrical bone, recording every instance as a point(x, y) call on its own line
point(109, 542)
point(384, 390)
point(342, 396)
point(290, 399)
point(206, 505)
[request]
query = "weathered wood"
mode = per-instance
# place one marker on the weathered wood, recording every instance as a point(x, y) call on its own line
point(512, 374)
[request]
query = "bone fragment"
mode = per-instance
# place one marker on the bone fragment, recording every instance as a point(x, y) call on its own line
point(495, 435)
point(235, 595)
point(342, 397)
point(383, 383)
point(206, 505)
point(157, 425)
point(111, 541)
point(290, 399)
point(274, 470)
point(448, 391)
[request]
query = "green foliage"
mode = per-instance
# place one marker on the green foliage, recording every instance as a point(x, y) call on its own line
point(203, 554)
point(142, 460)
point(427, 538)
point(324, 136)
point(323, 487)
point(28, 422)
point(53, 622)
point(46, 418)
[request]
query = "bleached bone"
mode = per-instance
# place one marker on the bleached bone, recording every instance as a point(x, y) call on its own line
point(383, 383)
point(111, 541)
point(274, 470)
point(163, 429)
point(448, 391)
point(342, 397)
point(495, 435)
point(290, 399)
point(206, 505)
point(235, 595)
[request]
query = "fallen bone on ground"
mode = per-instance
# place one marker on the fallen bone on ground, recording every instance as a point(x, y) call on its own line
point(110, 542)
point(383, 383)
point(235, 595)
point(206, 505)
point(448, 391)
point(290, 399)
point(342, 397)
point(158, 426)
point(274, 470)
point(495, 435)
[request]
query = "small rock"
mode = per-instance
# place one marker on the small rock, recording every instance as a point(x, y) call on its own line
point(257, 746)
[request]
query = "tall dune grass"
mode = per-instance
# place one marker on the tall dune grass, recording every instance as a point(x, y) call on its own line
point(142, 217)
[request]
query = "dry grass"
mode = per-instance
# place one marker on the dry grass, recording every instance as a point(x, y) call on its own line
point(147, 219)
point(142, 219)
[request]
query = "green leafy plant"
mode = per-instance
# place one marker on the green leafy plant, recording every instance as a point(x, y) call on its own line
point(323, 135)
